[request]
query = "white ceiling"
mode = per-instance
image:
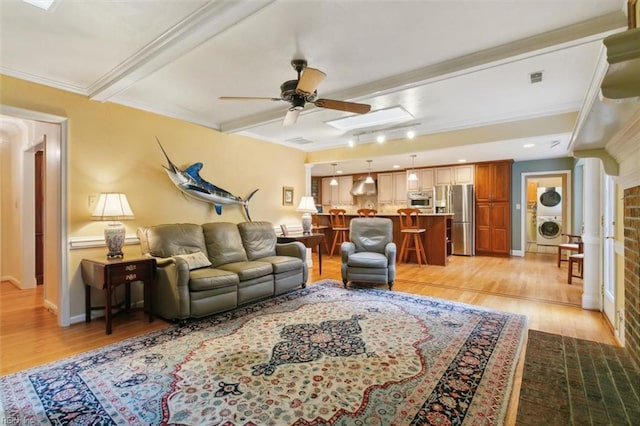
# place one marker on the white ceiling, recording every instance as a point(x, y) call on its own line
point(451, 64)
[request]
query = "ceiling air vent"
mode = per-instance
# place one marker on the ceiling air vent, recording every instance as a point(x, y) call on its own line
point(298, 141)
point(536, 77)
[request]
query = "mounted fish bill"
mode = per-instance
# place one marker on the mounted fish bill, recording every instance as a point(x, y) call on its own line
point(192, 184)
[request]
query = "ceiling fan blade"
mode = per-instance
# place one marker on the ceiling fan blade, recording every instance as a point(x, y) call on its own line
point(246, 98)
point(309, 81)
point(343, 106)
point(291, 117)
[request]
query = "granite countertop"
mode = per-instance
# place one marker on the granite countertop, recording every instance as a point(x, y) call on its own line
point(394, 214)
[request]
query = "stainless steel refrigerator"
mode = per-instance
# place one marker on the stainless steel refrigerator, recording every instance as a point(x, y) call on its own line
point(459, 200)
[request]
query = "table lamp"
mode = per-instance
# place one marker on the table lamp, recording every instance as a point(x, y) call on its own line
point(307, 206)
point(113, 207)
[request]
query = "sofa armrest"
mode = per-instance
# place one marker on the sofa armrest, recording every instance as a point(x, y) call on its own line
point(171, 294)
point(293, 249)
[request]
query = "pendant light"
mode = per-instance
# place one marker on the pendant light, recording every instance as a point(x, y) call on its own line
point(369, 179)
point(412, 173)
point(334, 181)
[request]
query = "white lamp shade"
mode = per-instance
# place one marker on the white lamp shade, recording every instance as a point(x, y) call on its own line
point(112, 206)
point(307, 205)
point(412, 177)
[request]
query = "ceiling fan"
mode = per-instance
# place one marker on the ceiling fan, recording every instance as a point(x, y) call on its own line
point(303, 90)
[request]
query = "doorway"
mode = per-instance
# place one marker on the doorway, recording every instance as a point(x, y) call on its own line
point(547, 212)
point(54, 201)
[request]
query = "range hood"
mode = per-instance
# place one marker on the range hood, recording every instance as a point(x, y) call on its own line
point(360, 187)
point(622, 80)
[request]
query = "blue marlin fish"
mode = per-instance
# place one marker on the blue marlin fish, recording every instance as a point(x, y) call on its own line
point(191, 183)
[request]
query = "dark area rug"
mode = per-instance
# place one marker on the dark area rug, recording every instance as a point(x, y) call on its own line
point(569, 381)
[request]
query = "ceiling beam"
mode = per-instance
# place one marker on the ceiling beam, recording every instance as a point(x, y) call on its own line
point(203, 24)
point(563, 38)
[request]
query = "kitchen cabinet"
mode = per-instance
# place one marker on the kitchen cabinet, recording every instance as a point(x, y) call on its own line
point(339, 195)
point(455, 175)
point(425, 180)
point(392, 188)
point(493, 207)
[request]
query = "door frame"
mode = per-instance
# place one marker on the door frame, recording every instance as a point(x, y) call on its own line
point(608, 232)
point(524, 177)
point(60, 213)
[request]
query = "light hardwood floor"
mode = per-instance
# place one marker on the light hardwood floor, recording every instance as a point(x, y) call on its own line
point(532, 286)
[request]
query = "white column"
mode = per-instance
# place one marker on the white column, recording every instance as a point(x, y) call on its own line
point(592, 282)
point(307, 178)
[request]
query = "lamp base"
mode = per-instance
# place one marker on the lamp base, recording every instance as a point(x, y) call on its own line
point(306, 223)
point(114, 235)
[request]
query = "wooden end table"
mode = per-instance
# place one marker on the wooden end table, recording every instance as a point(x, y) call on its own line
point(309, 240)
point(107, 274)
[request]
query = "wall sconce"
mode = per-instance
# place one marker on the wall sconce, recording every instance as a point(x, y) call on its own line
point(113, 207)
point(307, 206)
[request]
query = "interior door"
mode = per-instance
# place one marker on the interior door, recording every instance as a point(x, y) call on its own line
point(608, 255)
point(39, 209)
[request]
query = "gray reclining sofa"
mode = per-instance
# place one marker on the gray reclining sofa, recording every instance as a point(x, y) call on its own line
point(215, 267)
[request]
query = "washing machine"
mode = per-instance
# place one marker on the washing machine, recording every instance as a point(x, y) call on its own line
point(549, 230)
point(549, 201)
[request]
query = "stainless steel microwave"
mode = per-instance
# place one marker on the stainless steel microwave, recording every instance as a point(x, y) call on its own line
point(420, 199)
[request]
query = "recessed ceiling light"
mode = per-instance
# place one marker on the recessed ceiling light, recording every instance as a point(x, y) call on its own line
point(380, 139)
point(351, 143)
point(396, 166)
point(42, 4)
point(462, 160)
point(411, 134)
point(528, 145)
point(339, 172)
point(373, 118)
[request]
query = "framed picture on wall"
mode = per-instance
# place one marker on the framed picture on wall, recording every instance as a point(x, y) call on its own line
point(287, 196)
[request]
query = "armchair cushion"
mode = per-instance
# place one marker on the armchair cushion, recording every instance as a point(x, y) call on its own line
point(367, 259)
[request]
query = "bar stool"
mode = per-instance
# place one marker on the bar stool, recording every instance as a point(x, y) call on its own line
point(412, 239)
point(367, 212)
point(338, 222)
point(319, 229)
point(578, 259)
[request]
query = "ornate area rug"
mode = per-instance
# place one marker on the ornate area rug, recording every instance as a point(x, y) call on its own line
point(318, 356)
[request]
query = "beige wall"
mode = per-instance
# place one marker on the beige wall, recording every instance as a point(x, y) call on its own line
point(113, 148)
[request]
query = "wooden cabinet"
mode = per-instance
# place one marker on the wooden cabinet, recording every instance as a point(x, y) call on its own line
point(455, 175)
point(493, 208)
point(425, 180)
point(392, 188)
point(339, 194)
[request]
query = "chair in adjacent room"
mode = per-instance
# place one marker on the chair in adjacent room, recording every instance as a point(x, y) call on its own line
point(339, 227)
point(367, 212)
point(573, 245)
point(370, 255)
point(578, 259)
point(412, 235)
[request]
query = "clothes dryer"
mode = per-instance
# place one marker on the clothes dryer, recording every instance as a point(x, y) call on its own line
point(549, 230)
point(549, 201)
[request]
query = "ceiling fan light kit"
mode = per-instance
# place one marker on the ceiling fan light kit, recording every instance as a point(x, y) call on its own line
point(303, 90)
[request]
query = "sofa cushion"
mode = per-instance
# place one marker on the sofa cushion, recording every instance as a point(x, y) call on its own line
point(259, 239)
point(283, 263)
point(210, 278)
point(223, 242)
point(368, 259)
point(248, 270)
point(195, 260)
point(171, 239)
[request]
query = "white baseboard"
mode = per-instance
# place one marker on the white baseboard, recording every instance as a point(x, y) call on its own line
point(519, 253)
point(13, 280)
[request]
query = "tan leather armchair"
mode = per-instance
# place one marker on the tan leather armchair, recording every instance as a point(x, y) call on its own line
point(370, 255)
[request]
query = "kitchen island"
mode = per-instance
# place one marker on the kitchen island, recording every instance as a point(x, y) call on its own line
point(437, 240)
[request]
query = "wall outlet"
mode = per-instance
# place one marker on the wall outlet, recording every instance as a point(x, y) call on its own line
point(518, 206)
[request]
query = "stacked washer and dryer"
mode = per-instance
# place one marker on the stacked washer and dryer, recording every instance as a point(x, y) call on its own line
point(549, 216)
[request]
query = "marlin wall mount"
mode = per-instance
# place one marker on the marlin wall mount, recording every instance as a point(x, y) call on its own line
point(189, 182)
